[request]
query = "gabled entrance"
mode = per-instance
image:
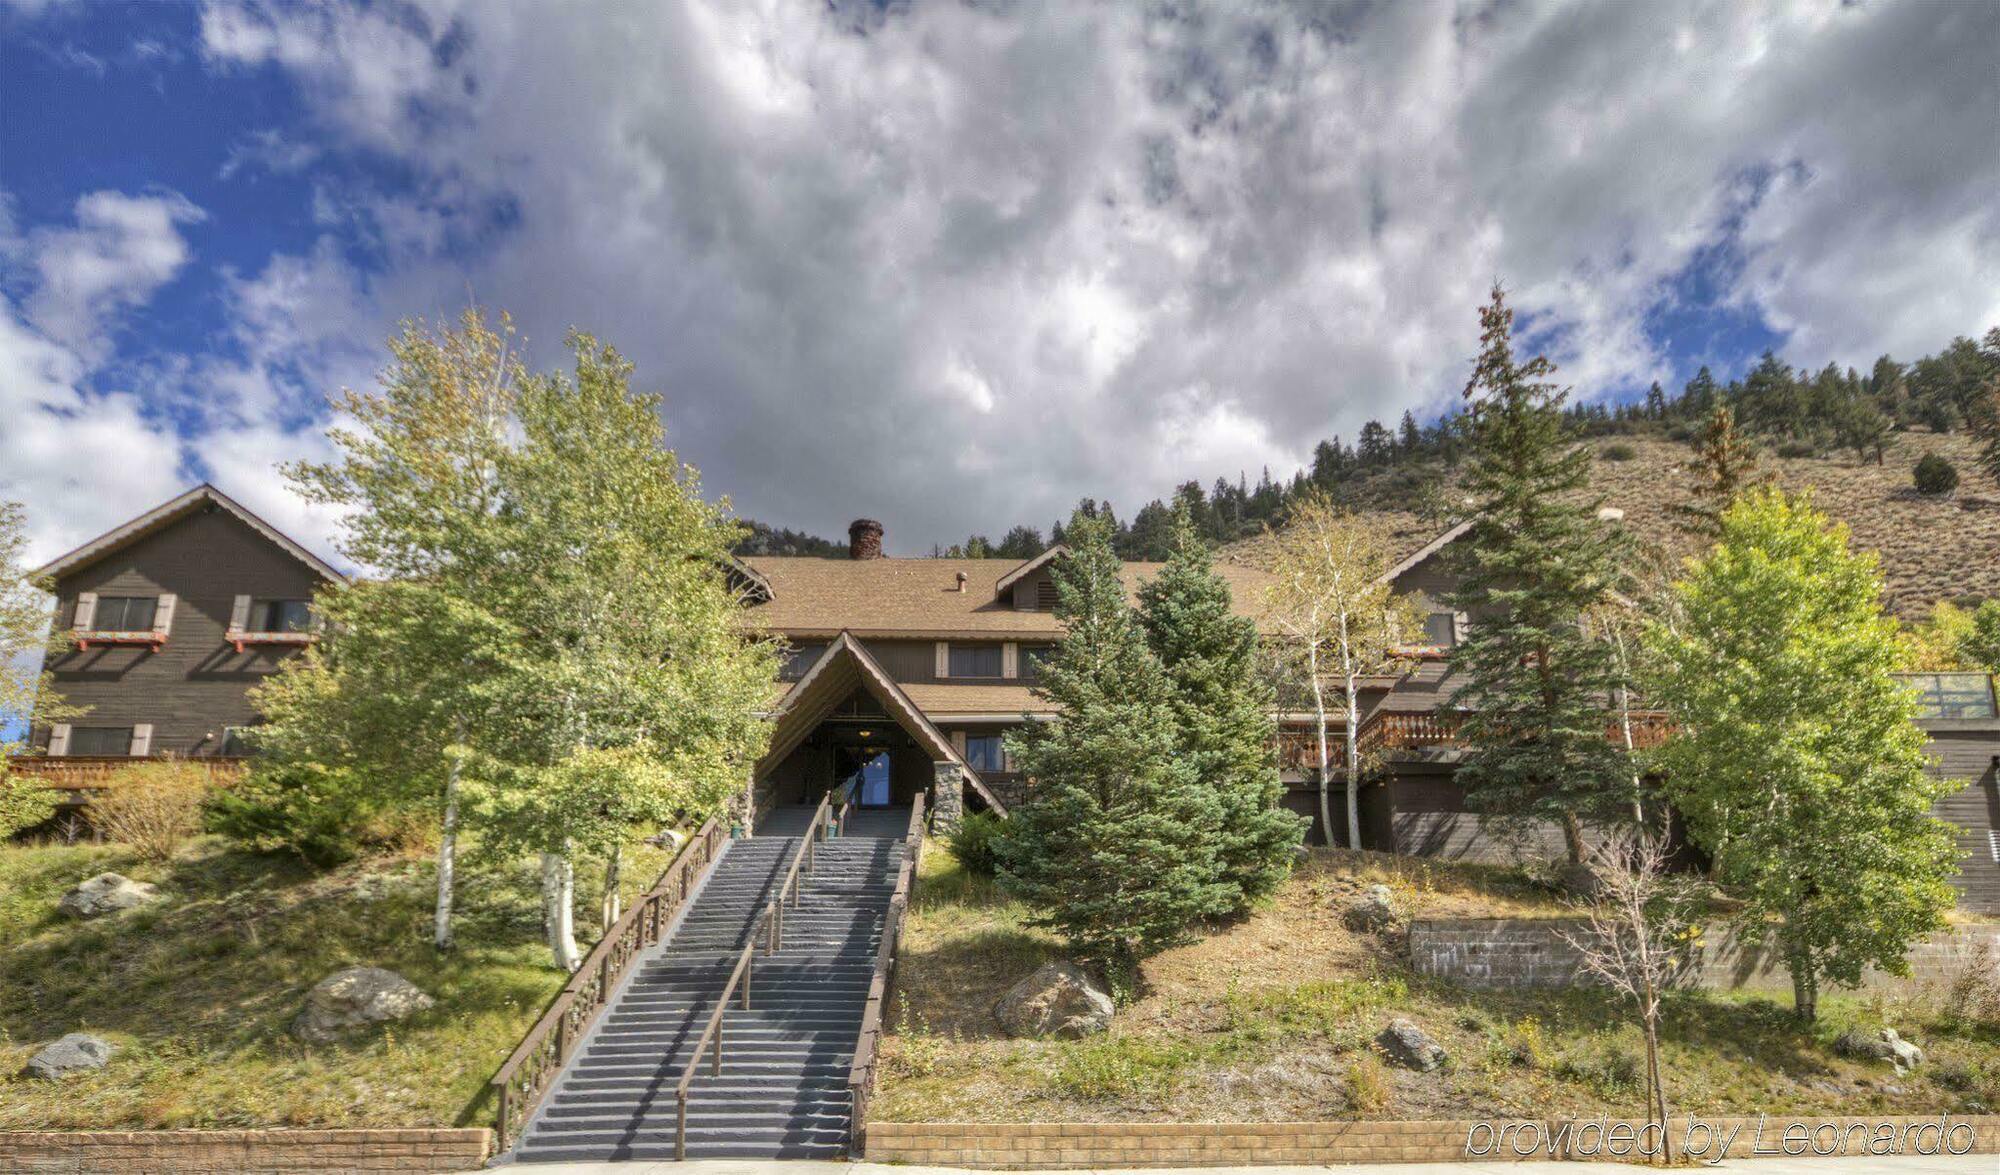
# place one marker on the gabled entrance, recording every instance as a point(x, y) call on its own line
point(847, 719)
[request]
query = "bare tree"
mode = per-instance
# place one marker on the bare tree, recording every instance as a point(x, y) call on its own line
point(1339, 622)
point(1634, 941)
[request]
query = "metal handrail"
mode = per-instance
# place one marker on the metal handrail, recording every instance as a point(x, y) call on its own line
point(861, 1075)
point(519, 1086)
point(773, 920)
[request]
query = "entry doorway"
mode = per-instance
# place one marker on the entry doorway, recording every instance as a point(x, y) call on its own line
point(871, 781)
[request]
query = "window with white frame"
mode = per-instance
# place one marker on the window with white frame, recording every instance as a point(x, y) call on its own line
point(975, 661)
point(984, 752)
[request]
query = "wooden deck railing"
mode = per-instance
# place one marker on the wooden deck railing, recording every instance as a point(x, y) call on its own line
point(1384, 732)
point(95, 772)
point(861, 1077)
point(531, 1069)
point(772, 924)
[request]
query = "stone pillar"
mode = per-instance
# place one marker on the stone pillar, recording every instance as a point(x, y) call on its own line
point(947, 796)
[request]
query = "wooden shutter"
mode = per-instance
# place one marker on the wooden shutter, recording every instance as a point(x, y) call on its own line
point(142, 739)
point(163, 614)
point(1010, 660)
point(1461, 623)
point(944, 658)
point(958, 742)
point(59, 739)
point(239, 615)
point(86, 615)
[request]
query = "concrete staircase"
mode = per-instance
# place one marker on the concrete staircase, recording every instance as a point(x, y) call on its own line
point(783, 1088)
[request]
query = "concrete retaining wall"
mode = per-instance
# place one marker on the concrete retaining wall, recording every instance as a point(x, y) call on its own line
point(1530, 953)
point(1044, 1145)
point(243, 1152)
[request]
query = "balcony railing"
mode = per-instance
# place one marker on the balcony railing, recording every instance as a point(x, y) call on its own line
point(92, 772)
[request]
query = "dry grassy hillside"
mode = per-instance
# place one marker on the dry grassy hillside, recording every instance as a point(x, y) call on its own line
point(1942, 548)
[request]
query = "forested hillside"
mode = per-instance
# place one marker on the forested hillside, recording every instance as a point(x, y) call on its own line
point(1856, 436)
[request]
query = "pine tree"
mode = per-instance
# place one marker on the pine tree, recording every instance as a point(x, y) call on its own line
point(1222, 707)
point(1799, 765)
point(1724, 466)
point(1536, 562)
point(1114, 846)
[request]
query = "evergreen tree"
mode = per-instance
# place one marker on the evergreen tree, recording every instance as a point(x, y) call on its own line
point(1114, 845)
point(1799, 765)
point(1222, 707)
point(1656, 402)
point(1724, 466)
point(1408, 435)
point(1022, 542)
point(1985, 412)
point(1536, 562)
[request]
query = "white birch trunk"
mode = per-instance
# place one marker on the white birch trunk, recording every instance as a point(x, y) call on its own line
point(558, 892)
point(612, 908)
point(1325, 758)
point(447, 860)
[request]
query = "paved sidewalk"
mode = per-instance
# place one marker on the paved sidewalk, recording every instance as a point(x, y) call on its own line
point(1897, 1165)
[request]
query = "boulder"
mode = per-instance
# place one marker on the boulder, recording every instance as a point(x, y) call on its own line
point(356, 996)
point(106, 893)
point(1410, 1046)
point(1057, 1000)
point(1886, 1045)
point(79, 1052)
point(1373, 910)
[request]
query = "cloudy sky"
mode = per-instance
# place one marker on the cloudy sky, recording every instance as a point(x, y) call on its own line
point(952, 265)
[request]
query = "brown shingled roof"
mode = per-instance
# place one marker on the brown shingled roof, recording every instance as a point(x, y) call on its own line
point(919, 598)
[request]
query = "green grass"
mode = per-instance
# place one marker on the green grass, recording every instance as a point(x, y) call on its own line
point(1273, 1017)
point(198, 990)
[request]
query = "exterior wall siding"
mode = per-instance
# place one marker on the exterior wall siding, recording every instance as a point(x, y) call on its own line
point(1966, 751)
point(197, 684)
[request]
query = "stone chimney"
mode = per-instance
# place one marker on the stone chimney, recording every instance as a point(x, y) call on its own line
point(864, 539)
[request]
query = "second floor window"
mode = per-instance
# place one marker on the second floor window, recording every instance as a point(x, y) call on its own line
point(1032, 657)
point(1440, 629)
point(100, 740)
point(975, 660)
point(983, 752)
point(798, 659)
point(124, 614)
point(281, 616)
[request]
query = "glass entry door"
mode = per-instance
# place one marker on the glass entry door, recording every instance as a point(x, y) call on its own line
point(872, 782)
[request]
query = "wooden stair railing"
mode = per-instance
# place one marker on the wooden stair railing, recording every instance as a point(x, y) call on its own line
point(530, 1071)
point(861, 1076)
point(772, 924)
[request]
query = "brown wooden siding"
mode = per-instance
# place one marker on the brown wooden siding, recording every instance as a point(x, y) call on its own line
point(1966, 751)
point(197, 684)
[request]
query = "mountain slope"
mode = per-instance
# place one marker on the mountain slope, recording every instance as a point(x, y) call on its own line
point(1932, 548)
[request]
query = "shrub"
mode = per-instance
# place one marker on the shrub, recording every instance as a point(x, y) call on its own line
point(973, 842)
point(321, 814)
point(152, 806)
point(1935, 475)
point(1620, 451)
point(24, 803)
point(1367, 1086)
point(1795, 449)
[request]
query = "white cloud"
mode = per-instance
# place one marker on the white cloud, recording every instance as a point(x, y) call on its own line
point(121, 249)
point(86, 446)
point(955, 265)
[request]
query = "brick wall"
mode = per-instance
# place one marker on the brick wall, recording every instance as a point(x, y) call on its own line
point(243, 1152)
point(1530, 952)
point(1152, 1144)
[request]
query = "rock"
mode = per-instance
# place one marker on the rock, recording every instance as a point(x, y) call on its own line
point(1410, 1046)
point(106, 893)
point(79, 1052)
point(1373, 910)
point(1057, 1000)
point(1886, 1045)
point(1578, 881)
point(357, 996)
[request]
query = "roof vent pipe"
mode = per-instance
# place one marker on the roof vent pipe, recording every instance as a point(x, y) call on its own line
point(962, 577)
point(864, 539)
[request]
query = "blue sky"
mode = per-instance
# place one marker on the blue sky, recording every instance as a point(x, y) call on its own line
point(953, 266)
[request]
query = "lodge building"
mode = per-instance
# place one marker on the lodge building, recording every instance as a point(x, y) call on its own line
point(903, 676)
